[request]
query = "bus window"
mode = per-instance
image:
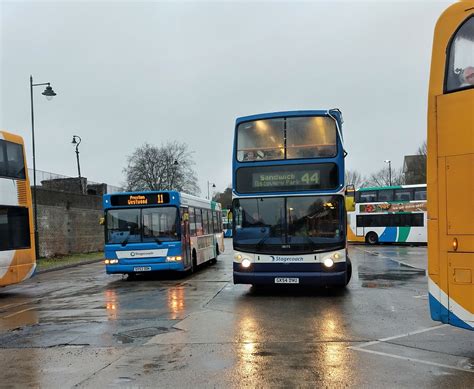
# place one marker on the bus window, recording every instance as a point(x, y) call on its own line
point(14, 228)
point(460, 72)
point(205, 222)
point(403, 195)
point(192, 222)
point(367, 197)
point(260, 140)
point(311, 137)
point(420, 194)
point(199, 230)
point(385, 195)
point(214, 222)
point(12, 163)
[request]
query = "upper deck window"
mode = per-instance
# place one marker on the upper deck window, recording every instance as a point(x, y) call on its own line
point(286, 138)
point(12, 164)
point(460, 72)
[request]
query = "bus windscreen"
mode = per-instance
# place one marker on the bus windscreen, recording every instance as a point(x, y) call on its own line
point(287, 138)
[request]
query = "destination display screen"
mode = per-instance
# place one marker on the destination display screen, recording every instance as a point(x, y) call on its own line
point(287, 178)
point(140, 199)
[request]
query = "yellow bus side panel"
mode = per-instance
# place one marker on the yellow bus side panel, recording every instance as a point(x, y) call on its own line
point(461, 276)
point(455, 116)
point(460, 198)
point(433, 250)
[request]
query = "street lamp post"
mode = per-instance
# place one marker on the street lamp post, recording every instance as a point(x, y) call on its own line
point(389, 171)
point(208, 184)
point(76, 140)
point(49, 93)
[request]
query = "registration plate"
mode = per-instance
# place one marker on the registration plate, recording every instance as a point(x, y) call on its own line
point(286, 280)
point(142, 268)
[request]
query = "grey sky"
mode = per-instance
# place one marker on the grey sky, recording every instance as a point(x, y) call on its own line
point(129, 72)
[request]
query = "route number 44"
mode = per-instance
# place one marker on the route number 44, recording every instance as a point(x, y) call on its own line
point(310, 179)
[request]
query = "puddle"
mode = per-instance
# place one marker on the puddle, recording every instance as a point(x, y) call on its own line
point(385, 273)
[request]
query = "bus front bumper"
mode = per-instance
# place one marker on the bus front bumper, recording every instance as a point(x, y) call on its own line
point(317, 279)
point(144, 268)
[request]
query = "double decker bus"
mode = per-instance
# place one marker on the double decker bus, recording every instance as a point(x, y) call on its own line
point(17, 248)
point(153, 231)
point(289, 214)
point(451, 168)
point(391, 214)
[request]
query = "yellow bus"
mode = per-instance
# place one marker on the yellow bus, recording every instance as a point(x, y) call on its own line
point(451, 168)
point(17, 248)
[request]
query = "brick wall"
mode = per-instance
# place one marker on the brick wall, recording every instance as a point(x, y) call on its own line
point(69, 223)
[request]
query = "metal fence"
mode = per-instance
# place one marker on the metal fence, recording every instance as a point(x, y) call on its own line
point(42, 176)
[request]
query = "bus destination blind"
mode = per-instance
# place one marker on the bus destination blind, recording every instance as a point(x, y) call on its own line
point(140, 199)
point(287, 178)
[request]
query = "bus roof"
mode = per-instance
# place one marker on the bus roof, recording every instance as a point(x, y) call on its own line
point(4, 135)
point(391, 187)
point(334, 112)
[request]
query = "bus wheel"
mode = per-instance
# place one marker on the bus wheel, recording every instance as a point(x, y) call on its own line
point(194, 267)
point(372, 238)
point(349, 271)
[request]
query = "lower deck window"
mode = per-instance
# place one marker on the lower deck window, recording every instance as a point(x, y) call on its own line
point(391, 220)
point(14, 228)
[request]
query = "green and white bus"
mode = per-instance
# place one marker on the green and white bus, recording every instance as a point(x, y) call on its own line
point(390, 214)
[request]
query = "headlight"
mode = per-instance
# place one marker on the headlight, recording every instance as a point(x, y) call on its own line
point(238, 257)
point(246, 263)
point(328, 262)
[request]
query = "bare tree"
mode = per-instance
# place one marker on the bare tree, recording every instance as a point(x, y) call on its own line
point(382, 177)
point(225, 198)
point(353, 177)
point(165, 167)
point(423, 149)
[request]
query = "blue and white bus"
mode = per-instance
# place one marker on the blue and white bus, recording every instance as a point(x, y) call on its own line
point(288, 208)
point(153, 231)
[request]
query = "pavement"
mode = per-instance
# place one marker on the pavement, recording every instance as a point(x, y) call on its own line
point(82, 328)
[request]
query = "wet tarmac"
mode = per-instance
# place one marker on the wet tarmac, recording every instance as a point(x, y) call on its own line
point(81, 328)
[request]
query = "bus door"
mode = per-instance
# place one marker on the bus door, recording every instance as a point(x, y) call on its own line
point(455, 124)
point(185, 237)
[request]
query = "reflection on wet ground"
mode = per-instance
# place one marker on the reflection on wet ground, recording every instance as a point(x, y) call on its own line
point(82, 327)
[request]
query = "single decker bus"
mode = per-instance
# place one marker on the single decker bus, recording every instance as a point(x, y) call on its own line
point(390, 214)
point(17, 241)
point(451, 168)
point(153, 231)
point(289, 217)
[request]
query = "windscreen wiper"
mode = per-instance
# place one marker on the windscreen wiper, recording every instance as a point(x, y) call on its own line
point(125, 241)
point(262, 241)
point(157, 240)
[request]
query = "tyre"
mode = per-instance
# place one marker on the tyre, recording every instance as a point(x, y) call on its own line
point(372, 238)
point(194, 267)
point(349, 271)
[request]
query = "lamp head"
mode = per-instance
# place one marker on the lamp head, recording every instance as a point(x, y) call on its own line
point(49, 93)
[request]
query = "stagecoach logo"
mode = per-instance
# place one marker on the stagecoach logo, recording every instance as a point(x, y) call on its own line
point(276, 258)
point(142, 253)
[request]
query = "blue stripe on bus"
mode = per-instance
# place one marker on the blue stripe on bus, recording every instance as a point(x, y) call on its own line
point(389, 235)
point(440, 313)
